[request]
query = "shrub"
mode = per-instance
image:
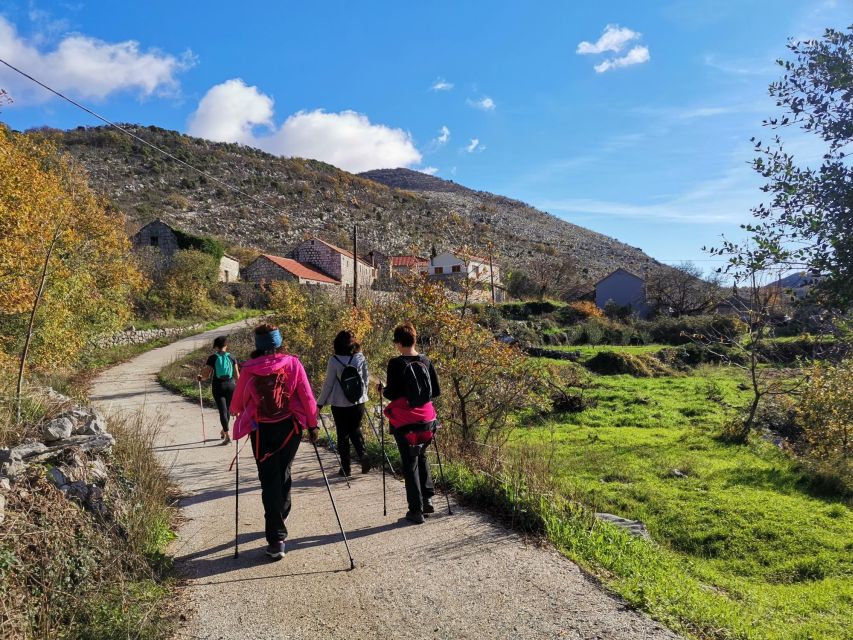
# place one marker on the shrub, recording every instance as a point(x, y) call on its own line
point(826, 411)
point(578, 311)
point(638, 365)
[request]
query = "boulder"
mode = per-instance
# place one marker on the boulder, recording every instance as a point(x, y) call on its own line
point(28, 450)
point(98, 472)
point(95, 425)
point(2, 508)
point(78, 491)
point(56, 476)
point(634, 527)
point(58, 429)
point(5, 485)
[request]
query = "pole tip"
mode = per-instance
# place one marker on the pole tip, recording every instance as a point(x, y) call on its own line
point(351, 564)
point(236, 554)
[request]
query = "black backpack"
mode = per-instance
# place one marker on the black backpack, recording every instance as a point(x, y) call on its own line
point(418, 383)
point(351, 383)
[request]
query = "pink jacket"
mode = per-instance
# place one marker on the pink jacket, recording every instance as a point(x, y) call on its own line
point(400, 414)
point(244, 403)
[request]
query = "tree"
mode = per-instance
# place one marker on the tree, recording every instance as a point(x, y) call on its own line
point(63, 257)
point(808, 220)
point(682, 290)
point(546, 276)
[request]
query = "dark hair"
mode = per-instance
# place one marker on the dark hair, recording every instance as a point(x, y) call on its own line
point(405, 335)
point(220, 341)
point(263, 329)
point(345, 344)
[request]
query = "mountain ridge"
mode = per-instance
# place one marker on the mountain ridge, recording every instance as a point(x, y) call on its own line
point(397, 210)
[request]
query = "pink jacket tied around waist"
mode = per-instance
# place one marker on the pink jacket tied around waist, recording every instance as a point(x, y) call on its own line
point(244, 404)
point(400, 414)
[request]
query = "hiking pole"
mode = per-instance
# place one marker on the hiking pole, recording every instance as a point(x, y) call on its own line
point(384, 455)
point(237, 499)
point(382, 441)
point(334, 450)
point(441, 471)
point(334, 506)
point(201, 404)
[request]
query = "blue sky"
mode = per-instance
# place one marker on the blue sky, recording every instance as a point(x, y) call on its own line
point(630, 118)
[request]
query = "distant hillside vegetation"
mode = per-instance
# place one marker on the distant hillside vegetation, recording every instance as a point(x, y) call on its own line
point(397, 210)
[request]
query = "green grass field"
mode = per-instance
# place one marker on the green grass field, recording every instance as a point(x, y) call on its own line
point(749, 547)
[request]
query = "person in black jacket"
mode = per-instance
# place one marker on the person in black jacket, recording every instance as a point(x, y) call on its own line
point(411, 426)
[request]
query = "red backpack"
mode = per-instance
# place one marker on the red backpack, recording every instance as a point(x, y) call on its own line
point(274, 397)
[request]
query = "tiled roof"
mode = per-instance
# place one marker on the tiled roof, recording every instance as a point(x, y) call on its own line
point(407, 261)
point(300, 270)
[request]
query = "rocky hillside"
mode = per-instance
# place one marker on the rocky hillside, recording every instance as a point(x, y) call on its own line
point(397, 210)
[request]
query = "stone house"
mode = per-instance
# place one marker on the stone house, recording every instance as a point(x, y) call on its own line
point(622, 288)
point(334, 262)
point(267, 268)
point(388, 266)
point(159, 238)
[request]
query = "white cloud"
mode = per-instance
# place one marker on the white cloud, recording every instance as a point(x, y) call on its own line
point(440, 84)
point(229, 112)
point(613, 39)
point(86, 67)
point(443, 136)
point(475, 145)
point(430, 171)
point(232, 111)
point(485, 103)
point(637, 55)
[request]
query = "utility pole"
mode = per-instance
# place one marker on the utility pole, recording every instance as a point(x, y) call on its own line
point(355, 265)
point(492, 270)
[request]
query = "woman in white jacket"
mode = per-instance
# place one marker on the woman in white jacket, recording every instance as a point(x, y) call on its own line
point(345, 388)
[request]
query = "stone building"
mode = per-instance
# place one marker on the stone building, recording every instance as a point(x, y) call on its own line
point(387, 267)
point(267, 268)
point(160, 239)
point(333, 261)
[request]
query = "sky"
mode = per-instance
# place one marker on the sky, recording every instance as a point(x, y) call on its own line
point(630, 118)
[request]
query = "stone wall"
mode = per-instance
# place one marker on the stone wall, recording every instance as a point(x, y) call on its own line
point(333, 263)
point(141, 336)
point(264, 270)
point(166, 240)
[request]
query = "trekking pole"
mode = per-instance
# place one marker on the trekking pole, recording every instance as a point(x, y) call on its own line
point(237, 499)
point(334, 506)
point(441, 471)
point(382, 443)
point(384, 455)
point(201, 404)
point(334, 450)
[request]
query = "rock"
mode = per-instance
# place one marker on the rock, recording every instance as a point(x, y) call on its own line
point(5, 485)
point(95, 500)
point(95, 443)
point(98, 472)
point(677, 473)
point(96, 425)
point(2, 508)
point(28, 450)
point(78, 491)
point(58, 429)
point(57, 476)
point(634, 527)
point(12, 469)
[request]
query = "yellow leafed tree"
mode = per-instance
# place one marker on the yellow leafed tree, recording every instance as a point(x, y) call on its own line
point(64, 267)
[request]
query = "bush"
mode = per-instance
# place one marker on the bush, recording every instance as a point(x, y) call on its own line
point(826, 411)
point(637, 365)
point(678, 331)
point(578, 311)
point(692, 355)
point(524, 310)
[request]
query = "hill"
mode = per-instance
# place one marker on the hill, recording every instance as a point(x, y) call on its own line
point(397, 210)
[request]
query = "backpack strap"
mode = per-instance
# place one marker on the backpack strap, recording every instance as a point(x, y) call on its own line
point(272, 453)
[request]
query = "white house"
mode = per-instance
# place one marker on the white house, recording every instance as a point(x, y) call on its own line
point(622, 288)
point(456, 264)
point(229, 269)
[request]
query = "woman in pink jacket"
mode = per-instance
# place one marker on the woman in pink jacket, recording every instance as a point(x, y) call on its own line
point(273, 403)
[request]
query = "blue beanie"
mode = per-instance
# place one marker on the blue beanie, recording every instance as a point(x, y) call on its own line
point(267, 341)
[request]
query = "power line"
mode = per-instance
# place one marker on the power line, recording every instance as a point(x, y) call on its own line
point(138, 139)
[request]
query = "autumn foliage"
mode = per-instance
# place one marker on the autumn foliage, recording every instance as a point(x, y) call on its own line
point(57, 236)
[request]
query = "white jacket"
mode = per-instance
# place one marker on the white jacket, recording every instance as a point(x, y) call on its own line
point(332, 393)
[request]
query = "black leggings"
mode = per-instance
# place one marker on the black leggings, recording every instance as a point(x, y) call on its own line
point(274, 473)
point(222, 392)
point(348, 426)
point(416, 473)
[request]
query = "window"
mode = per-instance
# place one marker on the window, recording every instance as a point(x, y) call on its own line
point(155, 241)
point(456, 268)
point(439, 271)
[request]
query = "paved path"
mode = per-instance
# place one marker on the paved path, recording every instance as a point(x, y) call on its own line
point(460, 576)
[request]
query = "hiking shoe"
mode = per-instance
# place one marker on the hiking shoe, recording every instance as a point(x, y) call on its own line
point(344, 474)
point(428, 508)
point(226, 439)
point(275, 551)
point(366, 466)
point(415, 517)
